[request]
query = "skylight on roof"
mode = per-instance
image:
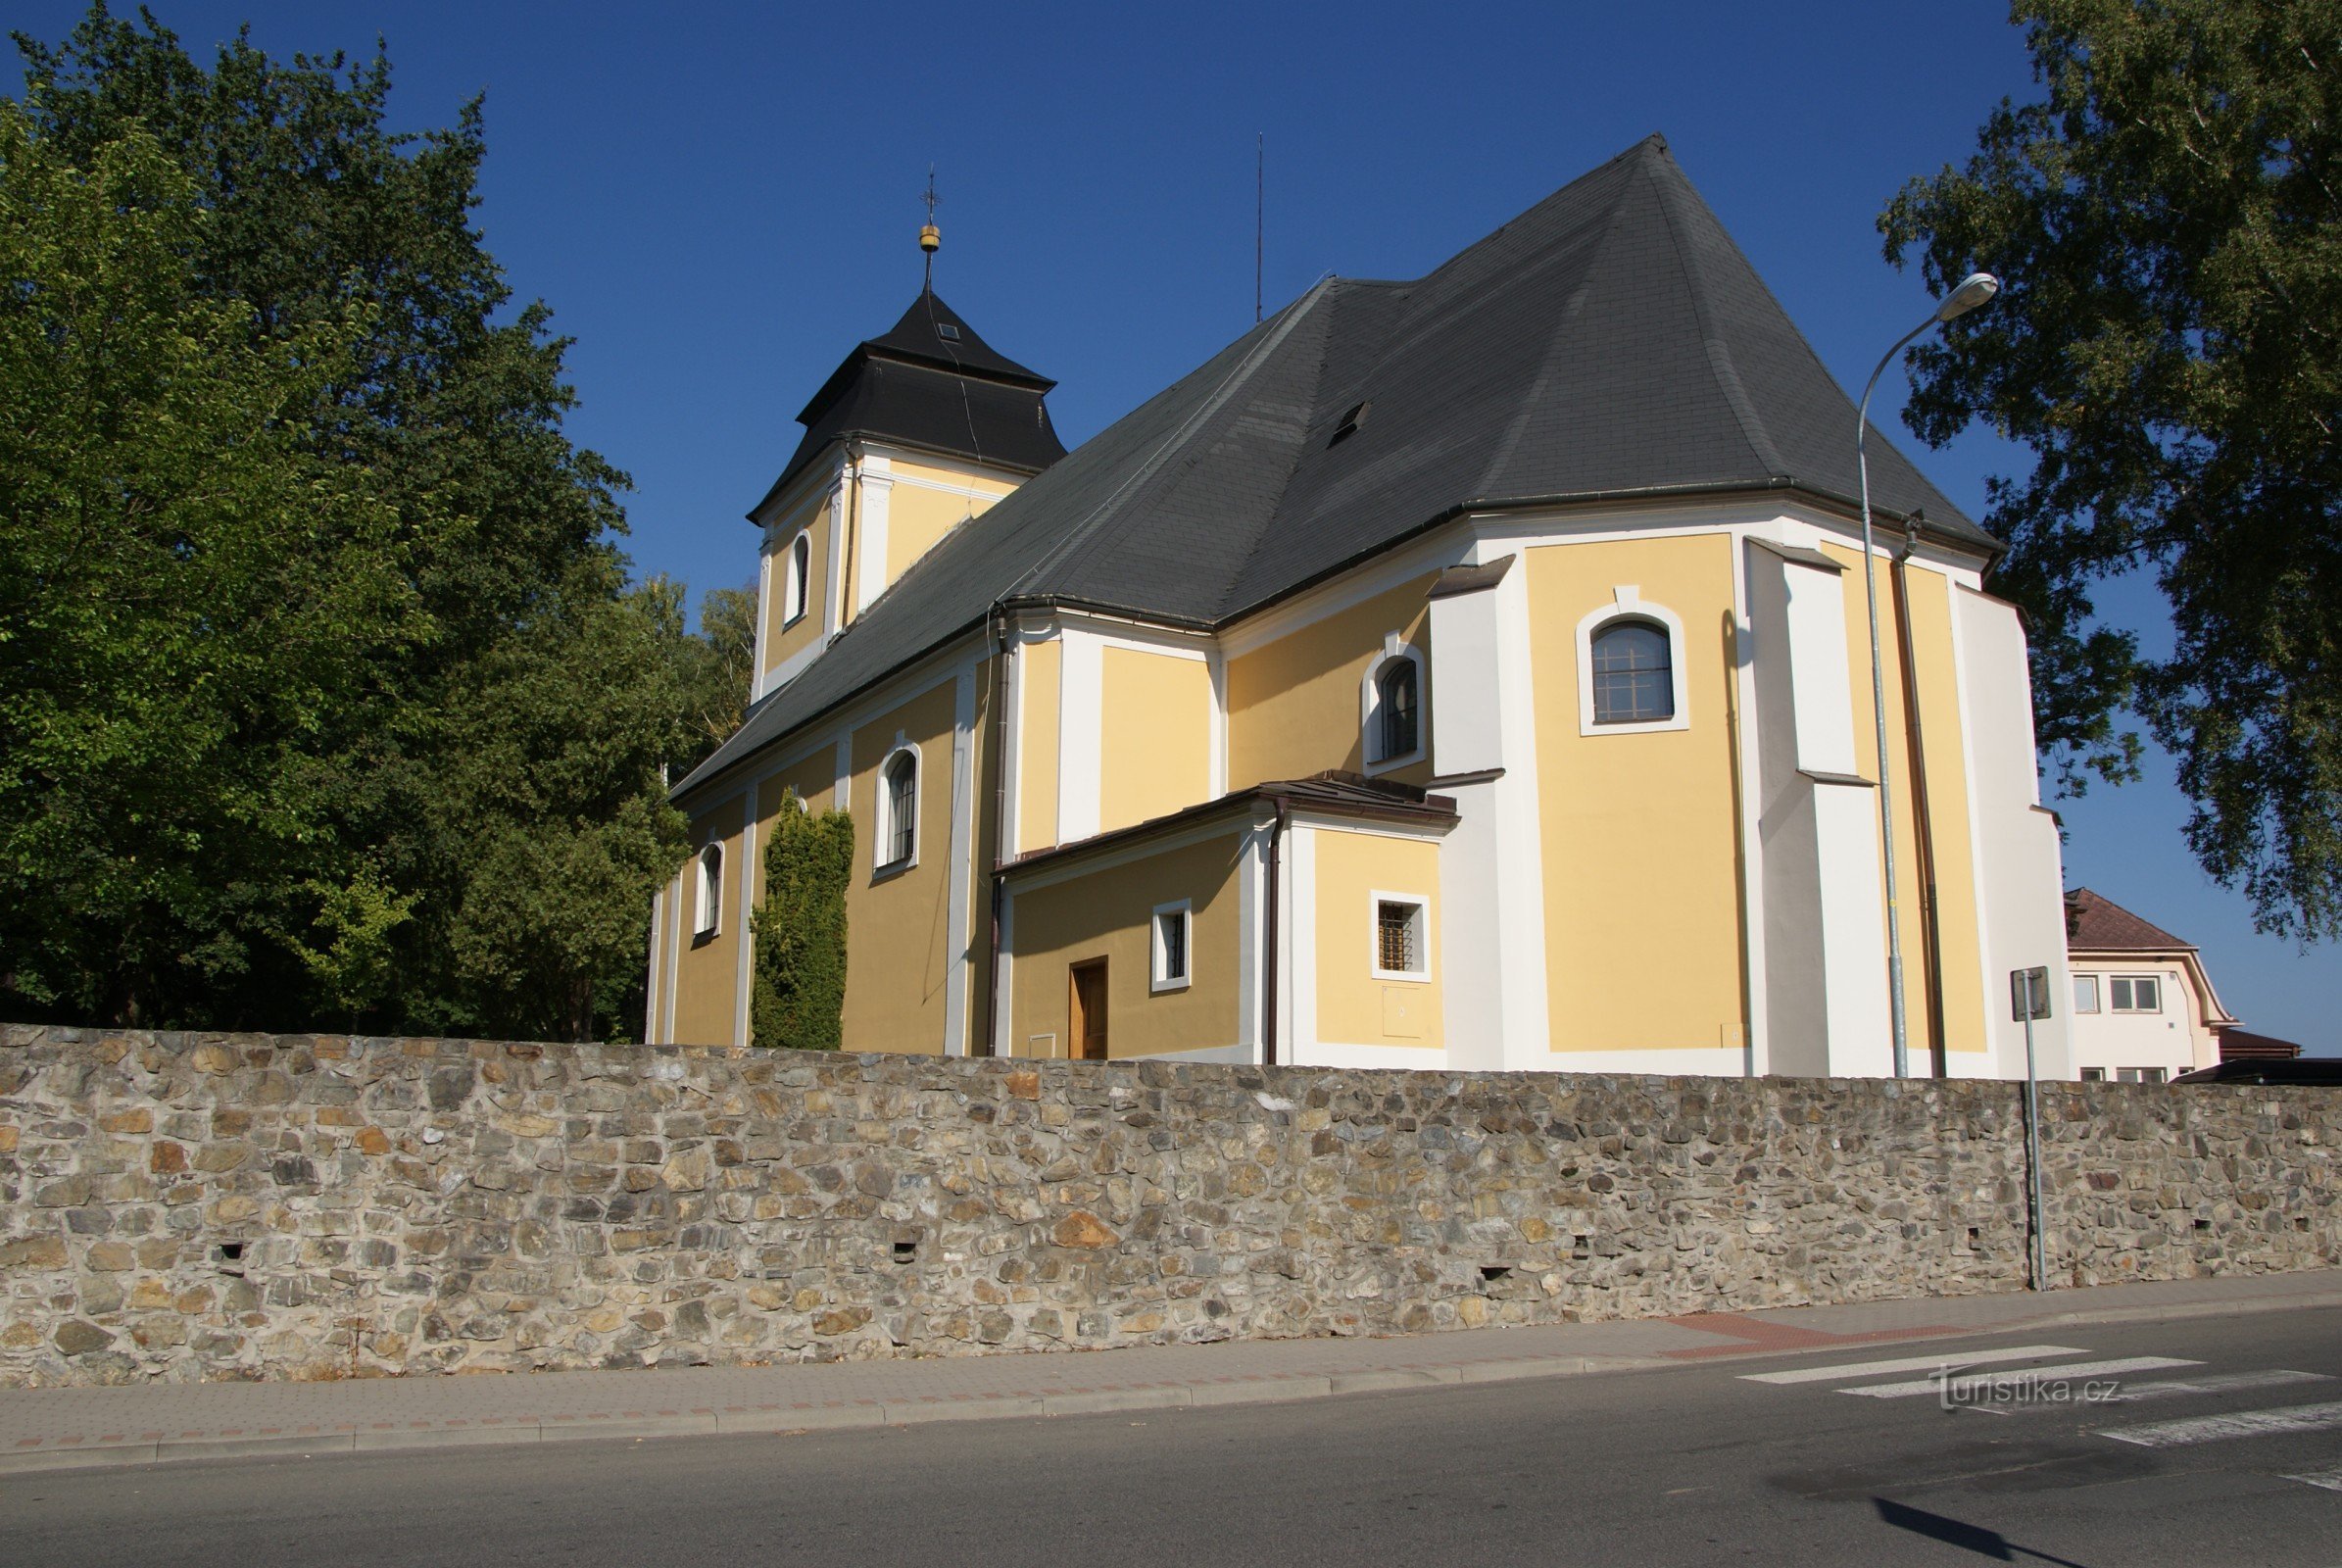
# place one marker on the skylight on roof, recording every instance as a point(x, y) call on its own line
point(947, 332)
point(1350, 421)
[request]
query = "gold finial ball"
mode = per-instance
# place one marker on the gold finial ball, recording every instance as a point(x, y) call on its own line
point(931, 238)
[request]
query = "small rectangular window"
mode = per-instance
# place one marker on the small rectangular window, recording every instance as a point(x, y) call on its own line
point(2137, 993)
point(1173, 928)
point(947, 332)
point(2139, 1075)
point(2093, 1075)
point(2151, 1075)
point(1398, 939)
point(2085, 992)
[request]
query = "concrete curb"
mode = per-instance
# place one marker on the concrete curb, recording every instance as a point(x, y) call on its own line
point(1203, 1394)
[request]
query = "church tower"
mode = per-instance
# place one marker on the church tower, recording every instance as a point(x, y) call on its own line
point(917, 431)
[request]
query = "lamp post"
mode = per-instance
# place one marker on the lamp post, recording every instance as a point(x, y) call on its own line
point(1977, 288)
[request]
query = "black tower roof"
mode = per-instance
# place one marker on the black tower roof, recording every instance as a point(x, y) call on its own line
point(929, 382)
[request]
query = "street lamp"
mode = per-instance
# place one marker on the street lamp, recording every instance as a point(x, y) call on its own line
point(1977, 288)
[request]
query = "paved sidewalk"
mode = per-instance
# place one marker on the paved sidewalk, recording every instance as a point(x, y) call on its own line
point(49, 1428)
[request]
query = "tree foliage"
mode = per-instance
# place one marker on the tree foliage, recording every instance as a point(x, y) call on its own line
point(2169, 345)
point(399, 753)
point(800, 996)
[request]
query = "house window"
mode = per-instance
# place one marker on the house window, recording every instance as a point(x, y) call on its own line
point(707, 908)
point(1398, 711)
point(1391, 706)
point(2137, 993)
point(1633, 674)
point(899, 810)
point(2085, 992)
point(1174, 925)
point(2139, 1075)
point(2093, 1075)
point(797, 591)
point(1398, 938)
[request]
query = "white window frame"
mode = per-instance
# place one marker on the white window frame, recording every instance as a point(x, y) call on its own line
point(1627, 603)
point(707, 908)
point(2093, 1075)
point(2096, 999)
point(2132, 980)
point(1370, 705)
point(1160, 981)
point(884, 815)
point(1374, 899)
point(797, 588)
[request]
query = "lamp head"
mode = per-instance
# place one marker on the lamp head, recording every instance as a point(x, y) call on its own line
point(1977, 288)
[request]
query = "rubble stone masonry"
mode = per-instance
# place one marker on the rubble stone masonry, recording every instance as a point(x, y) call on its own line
point(192, 1207)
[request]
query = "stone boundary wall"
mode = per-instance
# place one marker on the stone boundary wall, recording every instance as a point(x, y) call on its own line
point(188, 1206)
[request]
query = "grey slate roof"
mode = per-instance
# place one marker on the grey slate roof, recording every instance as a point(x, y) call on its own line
point(1612, 339)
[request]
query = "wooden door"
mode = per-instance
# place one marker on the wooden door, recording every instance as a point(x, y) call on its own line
point(1089, 1040)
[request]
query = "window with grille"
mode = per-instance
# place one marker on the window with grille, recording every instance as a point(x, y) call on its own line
point(1633, 677)
point(1398, 712)
point(1398, 937)
point(2137, 993)
point(902, 818)
point(2085, 992)
point(1173, 925)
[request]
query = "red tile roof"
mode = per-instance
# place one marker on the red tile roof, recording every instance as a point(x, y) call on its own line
point(2094, 922)
point(2242, 1044)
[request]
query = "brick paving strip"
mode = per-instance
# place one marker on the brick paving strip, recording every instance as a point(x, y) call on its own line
point(51, 1429)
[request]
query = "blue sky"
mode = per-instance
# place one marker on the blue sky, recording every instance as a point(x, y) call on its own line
point(719, 200)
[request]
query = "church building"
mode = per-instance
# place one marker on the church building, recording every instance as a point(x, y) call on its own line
point(1463, 672)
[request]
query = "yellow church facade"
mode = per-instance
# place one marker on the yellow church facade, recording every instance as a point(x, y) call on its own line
point(1463, 673)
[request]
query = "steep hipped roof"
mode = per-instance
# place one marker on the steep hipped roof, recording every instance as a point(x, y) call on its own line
point(2095, 923)
point(1611, 341)
point(929, 382)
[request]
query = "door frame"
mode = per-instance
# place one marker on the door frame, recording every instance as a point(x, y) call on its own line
point(1077, 1016)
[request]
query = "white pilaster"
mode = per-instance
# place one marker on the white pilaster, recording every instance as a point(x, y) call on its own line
point(875, 483)
point(961, 878)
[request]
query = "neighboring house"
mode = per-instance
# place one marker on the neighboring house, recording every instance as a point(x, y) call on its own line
point(1463, 672)
point(2144, 1009)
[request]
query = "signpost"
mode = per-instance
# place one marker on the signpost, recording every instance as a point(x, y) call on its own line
point(2028, 999)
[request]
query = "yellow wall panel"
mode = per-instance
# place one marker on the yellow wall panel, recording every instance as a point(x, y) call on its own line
point(784, 641)
point(1641, 843)
point(708, 968)
point(1292, 705)
point(1353, 1007)
point(1155, 743)
point(1108, 914)
point(897, 925)
point(1040, 664)
point(918, 517)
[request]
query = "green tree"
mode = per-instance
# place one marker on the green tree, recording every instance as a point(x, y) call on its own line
point(716, 669)
point(498, 776)
point(188, 595)
point(798, 1002)
point(2169, 345)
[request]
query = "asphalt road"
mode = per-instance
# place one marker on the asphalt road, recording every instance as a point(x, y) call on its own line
point(1700, 1464)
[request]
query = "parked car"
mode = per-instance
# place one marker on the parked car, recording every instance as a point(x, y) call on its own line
point(2298, 1071)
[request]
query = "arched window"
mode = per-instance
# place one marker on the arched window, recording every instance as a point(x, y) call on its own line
point(1391, 706)
point(1633, 674)
point(1397, 711)
point(797, 590)
point(899, 809)
point(707, 909)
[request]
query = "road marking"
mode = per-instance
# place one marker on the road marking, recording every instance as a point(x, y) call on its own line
point(2217, 1383)
point(2240, 1424)
point(1984, 1381)
point(2331, 1480)
point(1911, 1363)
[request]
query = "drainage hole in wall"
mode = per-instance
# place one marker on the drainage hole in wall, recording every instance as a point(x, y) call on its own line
point(1974, 1236)
point(2301, 1222)
point(906, 1251)
point(231, 1253)
point(1496, 1271)
point(2203, 1224)
point(1582, 1248)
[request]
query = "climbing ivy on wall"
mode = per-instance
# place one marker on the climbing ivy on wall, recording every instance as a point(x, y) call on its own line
point(801, 930)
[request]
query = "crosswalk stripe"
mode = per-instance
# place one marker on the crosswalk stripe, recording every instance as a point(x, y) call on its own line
point(2217, 1383)
point(1984, 1381)
point(2331, 1480)
point(1911, 1363)
point(2237, 1424)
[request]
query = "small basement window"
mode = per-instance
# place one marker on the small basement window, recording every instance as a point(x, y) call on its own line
point(2139, 1075)
point(2093, 1075)
point(1174, 928)
point(1398, 938)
